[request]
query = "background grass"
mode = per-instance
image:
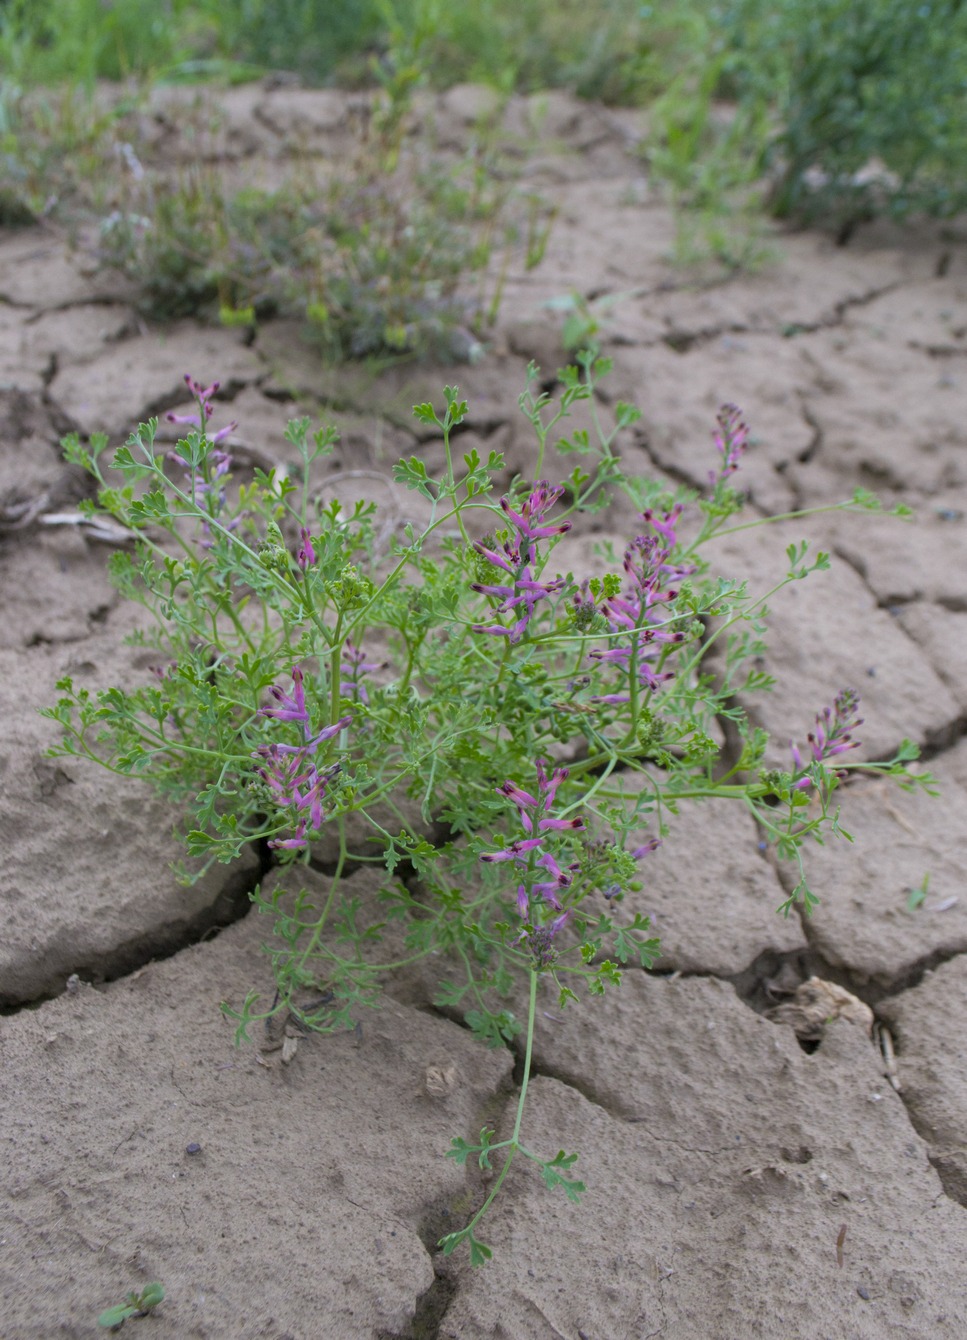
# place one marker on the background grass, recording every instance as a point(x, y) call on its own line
point(821, 88)
point(608, 48)
point(818, 111)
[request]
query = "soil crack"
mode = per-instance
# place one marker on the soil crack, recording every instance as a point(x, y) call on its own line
point(871, 992)
point(233, 903)
point(683, 340)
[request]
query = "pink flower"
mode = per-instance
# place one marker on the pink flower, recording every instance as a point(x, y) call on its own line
point(202, 396)
point(833, 735)
point(650, 572)
point(539, 940)
point(355, 657)
point(290, 771)
point(307, 555)
point(537, 822)
point(731, 440)
point(517, 556)
point(292, 706)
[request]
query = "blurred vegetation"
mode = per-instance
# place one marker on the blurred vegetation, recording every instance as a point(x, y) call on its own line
point(841, 107)
point(382, 252)
point(817, 111)
point(377, 260)
point(612, 49)
point(870, 103)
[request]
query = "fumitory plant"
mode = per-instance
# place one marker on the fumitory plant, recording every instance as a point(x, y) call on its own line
point(504, 735)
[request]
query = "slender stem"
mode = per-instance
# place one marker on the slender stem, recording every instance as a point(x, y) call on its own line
point(848, 505)
point(389, 580)
point(452, 481)
point(531, 1013)
point(335, 668)
point(512, 1145)
point(333, 885)
point(743, 614)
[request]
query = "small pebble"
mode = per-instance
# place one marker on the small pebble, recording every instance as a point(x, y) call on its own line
point(863, 1292)
point(193, 1148)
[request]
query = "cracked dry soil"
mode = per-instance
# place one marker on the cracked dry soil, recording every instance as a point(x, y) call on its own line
point(738, 1185)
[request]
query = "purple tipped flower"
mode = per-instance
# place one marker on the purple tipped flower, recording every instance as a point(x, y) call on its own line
point(307, 555)
point(537, 823)
point(294, 779)
point(355, 658)
point(834, 727)
point(550, 889)
point(533, 810)
point(195, 420)
point(292, 707)
point(529, 521)
point(202, 396)
point(650, 574)
point(204, 493)
point(305, 792)
point(731, 441)
point(295, 842)
point(539, 941)
point(516, 557)
point(833, 734)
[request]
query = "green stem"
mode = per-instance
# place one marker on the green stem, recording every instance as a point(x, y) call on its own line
point(333, 885)
point(451, 481)
point(743, 614)
point(389, 580)
point(513, 1144)
point(335, 661)
point(531, 1014)
point(845, 506)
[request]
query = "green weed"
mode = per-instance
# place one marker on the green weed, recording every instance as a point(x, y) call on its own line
point(506, 739)
point(59, 151)
point(843, 109)
point(375, 259)
point(135, 1305)
point(828, 111)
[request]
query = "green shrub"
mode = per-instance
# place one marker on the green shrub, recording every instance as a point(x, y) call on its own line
point(869, 99)
point(376, 258)
point(826, 111)
point(59, 152)
point(51, 41)
point(312, 38)
point(373, 266)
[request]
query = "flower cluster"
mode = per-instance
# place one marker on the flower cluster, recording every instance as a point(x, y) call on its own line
point(731, 440)
point(355, 658)
point(517, 556)
point(537, 823)
point(648, 570)
point(203, 398)
point(203, 488)
point(539, 941)
point(584, 609)
point(833, 734)
point(290, 770)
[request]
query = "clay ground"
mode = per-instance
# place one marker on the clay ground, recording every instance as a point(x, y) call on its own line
point(738, 1185)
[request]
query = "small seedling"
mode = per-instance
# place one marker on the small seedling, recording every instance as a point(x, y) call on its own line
point(135, 1305)
point(918, 896)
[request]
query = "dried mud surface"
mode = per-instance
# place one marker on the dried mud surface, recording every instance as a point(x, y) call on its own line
point(738, 1185)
